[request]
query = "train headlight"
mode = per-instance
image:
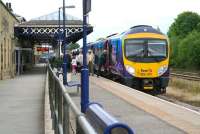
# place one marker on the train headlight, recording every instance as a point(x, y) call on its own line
point(162, 70)
point(130, 69)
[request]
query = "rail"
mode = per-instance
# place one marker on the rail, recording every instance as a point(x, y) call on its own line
point(66, 117)
point(104, 123)
point(187, 77)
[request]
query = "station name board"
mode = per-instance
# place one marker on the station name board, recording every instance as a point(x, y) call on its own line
point(42, 49)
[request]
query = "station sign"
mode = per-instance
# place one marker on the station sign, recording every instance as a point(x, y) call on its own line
point(42, 49)
point(86, 6)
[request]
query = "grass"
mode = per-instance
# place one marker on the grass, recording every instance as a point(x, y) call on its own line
point(186, 86)
point(185, 91)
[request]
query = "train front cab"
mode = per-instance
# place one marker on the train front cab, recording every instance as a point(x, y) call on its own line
point(146, 60)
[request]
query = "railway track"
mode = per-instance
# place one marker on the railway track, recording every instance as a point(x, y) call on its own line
point(187, 76)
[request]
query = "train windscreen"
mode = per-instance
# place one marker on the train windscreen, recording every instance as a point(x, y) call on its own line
point(157, 48)
point(145, 50)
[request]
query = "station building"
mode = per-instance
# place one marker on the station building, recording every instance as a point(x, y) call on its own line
point(7, 41)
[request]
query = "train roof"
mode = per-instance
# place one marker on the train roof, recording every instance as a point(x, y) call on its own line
point(142, 29)
point(132, 30)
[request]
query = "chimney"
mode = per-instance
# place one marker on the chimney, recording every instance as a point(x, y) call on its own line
point(8, 5)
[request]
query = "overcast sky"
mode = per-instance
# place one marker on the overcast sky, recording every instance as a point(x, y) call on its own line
point(112, 16)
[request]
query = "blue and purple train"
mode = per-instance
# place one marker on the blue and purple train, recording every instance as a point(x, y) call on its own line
point(138, 56)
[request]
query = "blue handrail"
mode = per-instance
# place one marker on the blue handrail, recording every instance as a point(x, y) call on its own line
point(105, 123)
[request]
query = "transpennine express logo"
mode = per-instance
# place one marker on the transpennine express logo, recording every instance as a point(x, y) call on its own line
point(146, 72)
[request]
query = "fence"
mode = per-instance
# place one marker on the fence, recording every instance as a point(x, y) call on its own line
point(105, 123)
point(66, 117)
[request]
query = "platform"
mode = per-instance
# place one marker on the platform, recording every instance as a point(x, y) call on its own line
point(146, 114)
point(22, 103)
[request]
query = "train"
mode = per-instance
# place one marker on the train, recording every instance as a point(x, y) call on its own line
point(139, 57)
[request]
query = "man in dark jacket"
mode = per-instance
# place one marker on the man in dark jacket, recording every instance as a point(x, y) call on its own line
point(102, 62)
point(69, 60)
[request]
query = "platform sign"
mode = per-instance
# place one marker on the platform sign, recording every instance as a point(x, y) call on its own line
point(87, 6)
point(43, 49)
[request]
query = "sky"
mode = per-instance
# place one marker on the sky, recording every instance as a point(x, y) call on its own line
point(112, 16)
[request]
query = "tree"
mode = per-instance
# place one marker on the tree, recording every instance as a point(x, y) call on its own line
point(174, 45)
point(72, 46)
point(189, 51)
point(180, 32)
point(185, 23)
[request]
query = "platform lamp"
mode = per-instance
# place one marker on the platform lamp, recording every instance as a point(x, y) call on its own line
point(84, 70)
point(59, 28)
point(59, 35)
point(64, 44)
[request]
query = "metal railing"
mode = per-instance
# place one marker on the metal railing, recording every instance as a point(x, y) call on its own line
point(105, 123)
point(66, 117)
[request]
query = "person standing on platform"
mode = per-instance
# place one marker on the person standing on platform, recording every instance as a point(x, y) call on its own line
point(96, 60)
point(102, 62)
point(90, 60)
point(69, 60)
point(74, 64)
point(80, 61)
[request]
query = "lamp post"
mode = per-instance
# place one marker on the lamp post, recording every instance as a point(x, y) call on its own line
point(64, 44)
point(59, 41)
point(59, 28)
point(84, 70)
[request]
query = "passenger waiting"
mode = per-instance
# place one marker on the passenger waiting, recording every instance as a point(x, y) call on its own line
point(90, 60)
point(102, 62)
point(74, 65)
point(80, 61)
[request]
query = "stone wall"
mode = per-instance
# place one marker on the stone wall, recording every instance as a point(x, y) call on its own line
point(7, 42)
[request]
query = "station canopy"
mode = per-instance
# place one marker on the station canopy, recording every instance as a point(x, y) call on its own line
point(45, 29)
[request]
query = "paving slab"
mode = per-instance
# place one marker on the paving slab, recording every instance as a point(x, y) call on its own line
point(22, 103)
point(143, 122)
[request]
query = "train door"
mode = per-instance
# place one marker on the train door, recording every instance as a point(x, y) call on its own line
point(115, 52)
point(106, 47)
point(110, 53)
point(113, 55)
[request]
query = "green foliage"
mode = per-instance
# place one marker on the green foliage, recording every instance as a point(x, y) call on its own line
point(55, 62)
point(184, 35)
point(189, 51)
point(174, 42)
point(185, 23)
point(73, 46)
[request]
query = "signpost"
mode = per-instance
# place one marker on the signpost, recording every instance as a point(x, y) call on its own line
point(84, 71)
point(65, 45)
point(86, 6)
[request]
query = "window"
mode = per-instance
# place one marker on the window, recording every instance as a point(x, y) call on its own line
point(157, 48)
point(145, 50)
point(134, 48)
